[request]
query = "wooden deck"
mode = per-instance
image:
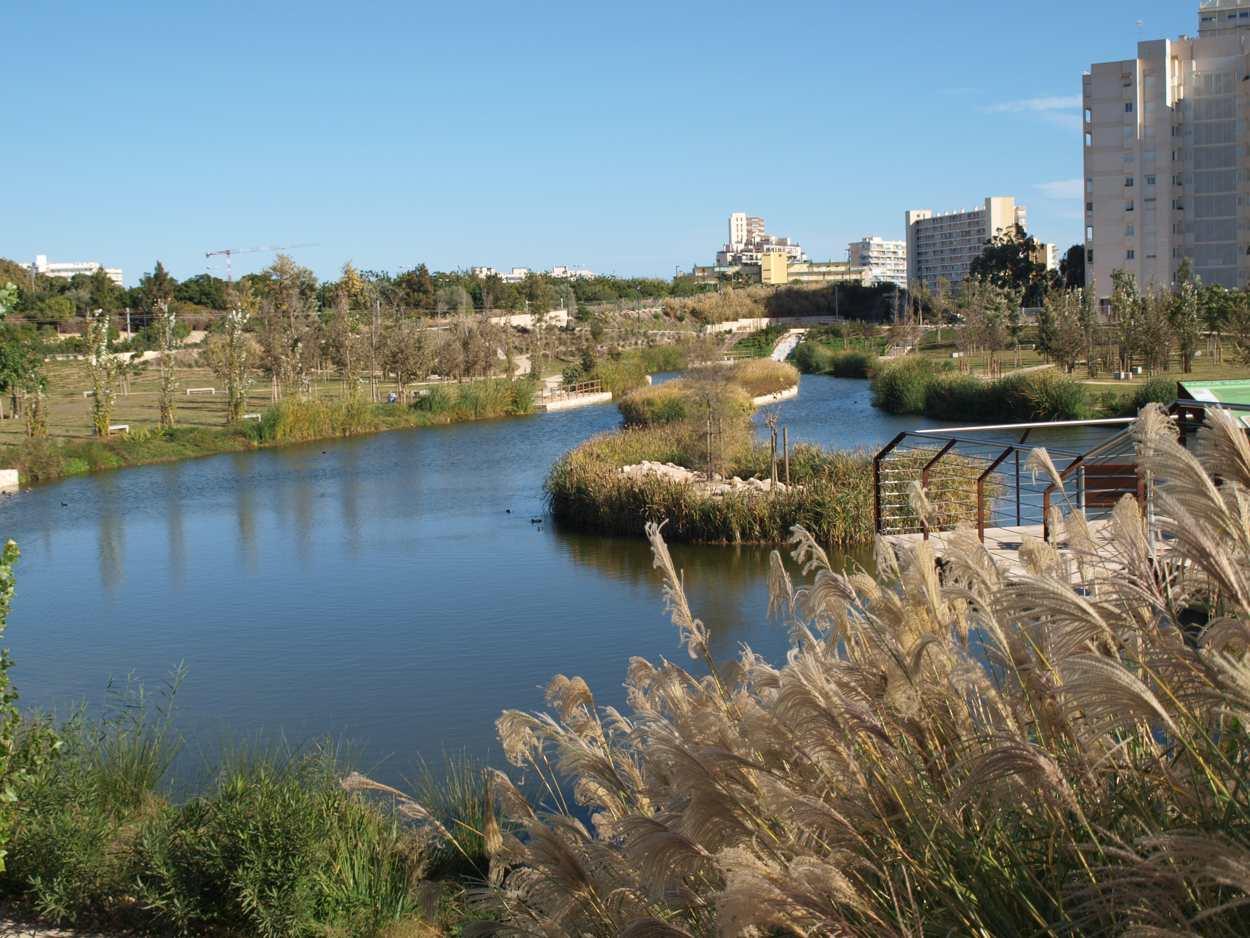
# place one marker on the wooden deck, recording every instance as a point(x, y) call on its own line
point(1003, 544)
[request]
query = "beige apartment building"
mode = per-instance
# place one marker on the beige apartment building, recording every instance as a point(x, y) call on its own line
point(1166, 161)
point(944, 246)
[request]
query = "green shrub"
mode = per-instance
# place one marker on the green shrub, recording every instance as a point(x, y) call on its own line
point(913, 386)
point(277, 850)
point(1155, 391)
point(656, 404)
point(902, 387)
point(820, 359)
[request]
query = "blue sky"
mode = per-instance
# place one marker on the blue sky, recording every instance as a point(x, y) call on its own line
point(613, 136)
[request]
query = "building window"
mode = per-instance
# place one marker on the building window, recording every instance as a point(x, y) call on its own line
point(1089, 116)
point(1150, 180)
point(1128, 206)
point(1089, 206)
point(1128, 107)
point(1130, 254)
point(1089, 232)
point(1129, 231)
point(1128, 182)
point(1089, 256)
point(1089, 139)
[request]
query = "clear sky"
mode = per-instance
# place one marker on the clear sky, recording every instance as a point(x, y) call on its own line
point(613, 136)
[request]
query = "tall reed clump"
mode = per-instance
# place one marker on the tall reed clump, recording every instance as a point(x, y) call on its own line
point(914, 385)
point(816, 358)
point(760, 376)
point(477, 400)
point(296, 419)
point(655, 404)
point(1059, 750)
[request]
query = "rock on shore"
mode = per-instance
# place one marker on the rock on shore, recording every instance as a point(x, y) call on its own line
point(717, 485)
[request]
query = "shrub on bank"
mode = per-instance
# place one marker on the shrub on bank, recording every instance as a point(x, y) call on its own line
point(655, 404)
point(915, 385)
point(274, 847)
point(760, 376)
point(816, 358)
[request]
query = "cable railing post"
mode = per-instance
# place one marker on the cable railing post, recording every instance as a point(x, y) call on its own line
point(876, 479)
point(924, 480)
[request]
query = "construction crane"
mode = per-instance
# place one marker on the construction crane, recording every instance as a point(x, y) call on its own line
point(230, 252)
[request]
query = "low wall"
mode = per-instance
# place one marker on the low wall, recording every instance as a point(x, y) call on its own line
point(575, 400)
point(8, 480)
point(783, 395)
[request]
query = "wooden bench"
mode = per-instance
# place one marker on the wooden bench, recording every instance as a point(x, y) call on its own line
point(119, 428)
point(191, 391)
point(251, 416)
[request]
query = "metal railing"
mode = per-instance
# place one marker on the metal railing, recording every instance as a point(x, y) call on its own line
point(971, 478)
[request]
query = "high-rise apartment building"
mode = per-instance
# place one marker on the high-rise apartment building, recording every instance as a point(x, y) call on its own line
point(886, 260)
point(1167, 173)
point(748, 242)
point(944, 246)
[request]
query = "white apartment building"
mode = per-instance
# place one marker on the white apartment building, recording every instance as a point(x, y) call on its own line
point(749, 242)
point(886, 260)
point(68, 269)
point(562, 272)
point(1167, 171)
point(944, 246)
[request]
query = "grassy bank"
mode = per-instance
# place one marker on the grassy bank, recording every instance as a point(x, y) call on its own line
point(915, 385)
point(293, 420)
point(272, 845)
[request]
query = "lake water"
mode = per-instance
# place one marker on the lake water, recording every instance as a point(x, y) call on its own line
point(390, 591)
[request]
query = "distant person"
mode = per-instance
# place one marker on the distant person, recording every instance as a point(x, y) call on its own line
point(392, 398)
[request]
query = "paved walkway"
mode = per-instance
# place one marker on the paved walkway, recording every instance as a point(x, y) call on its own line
point(786, 344)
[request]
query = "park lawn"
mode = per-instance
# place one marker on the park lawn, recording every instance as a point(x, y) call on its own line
point(69, 412)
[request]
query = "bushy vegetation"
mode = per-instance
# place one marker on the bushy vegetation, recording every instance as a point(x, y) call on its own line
point(760, 376)
point(274, 845)
point(914, 385)
point(816, 358)
point(656, 404)
point(1062, 751)
point(628, 370)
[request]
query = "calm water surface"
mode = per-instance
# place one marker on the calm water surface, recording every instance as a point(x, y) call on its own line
point(389, 590)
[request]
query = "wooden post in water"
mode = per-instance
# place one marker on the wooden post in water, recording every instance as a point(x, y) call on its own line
point(785, 448)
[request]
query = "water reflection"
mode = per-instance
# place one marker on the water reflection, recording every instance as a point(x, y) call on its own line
point(112, 535)
point(171, 482)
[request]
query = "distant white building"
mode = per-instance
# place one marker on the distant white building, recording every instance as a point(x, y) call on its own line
point(886, 260)
point(570, 273)
point(749, 242)
point(67, 269)
point(483, 272)
point(516, 275)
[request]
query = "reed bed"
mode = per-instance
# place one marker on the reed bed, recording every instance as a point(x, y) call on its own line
point(682, 400)
point(819, 359)
point(1064, 751)
point(831, 496)
point(916, 385)
point(759, 376)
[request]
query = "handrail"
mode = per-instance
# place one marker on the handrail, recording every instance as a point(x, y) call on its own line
point(1100, 422)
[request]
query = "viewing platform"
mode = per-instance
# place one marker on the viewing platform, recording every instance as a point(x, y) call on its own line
point(991, 480)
